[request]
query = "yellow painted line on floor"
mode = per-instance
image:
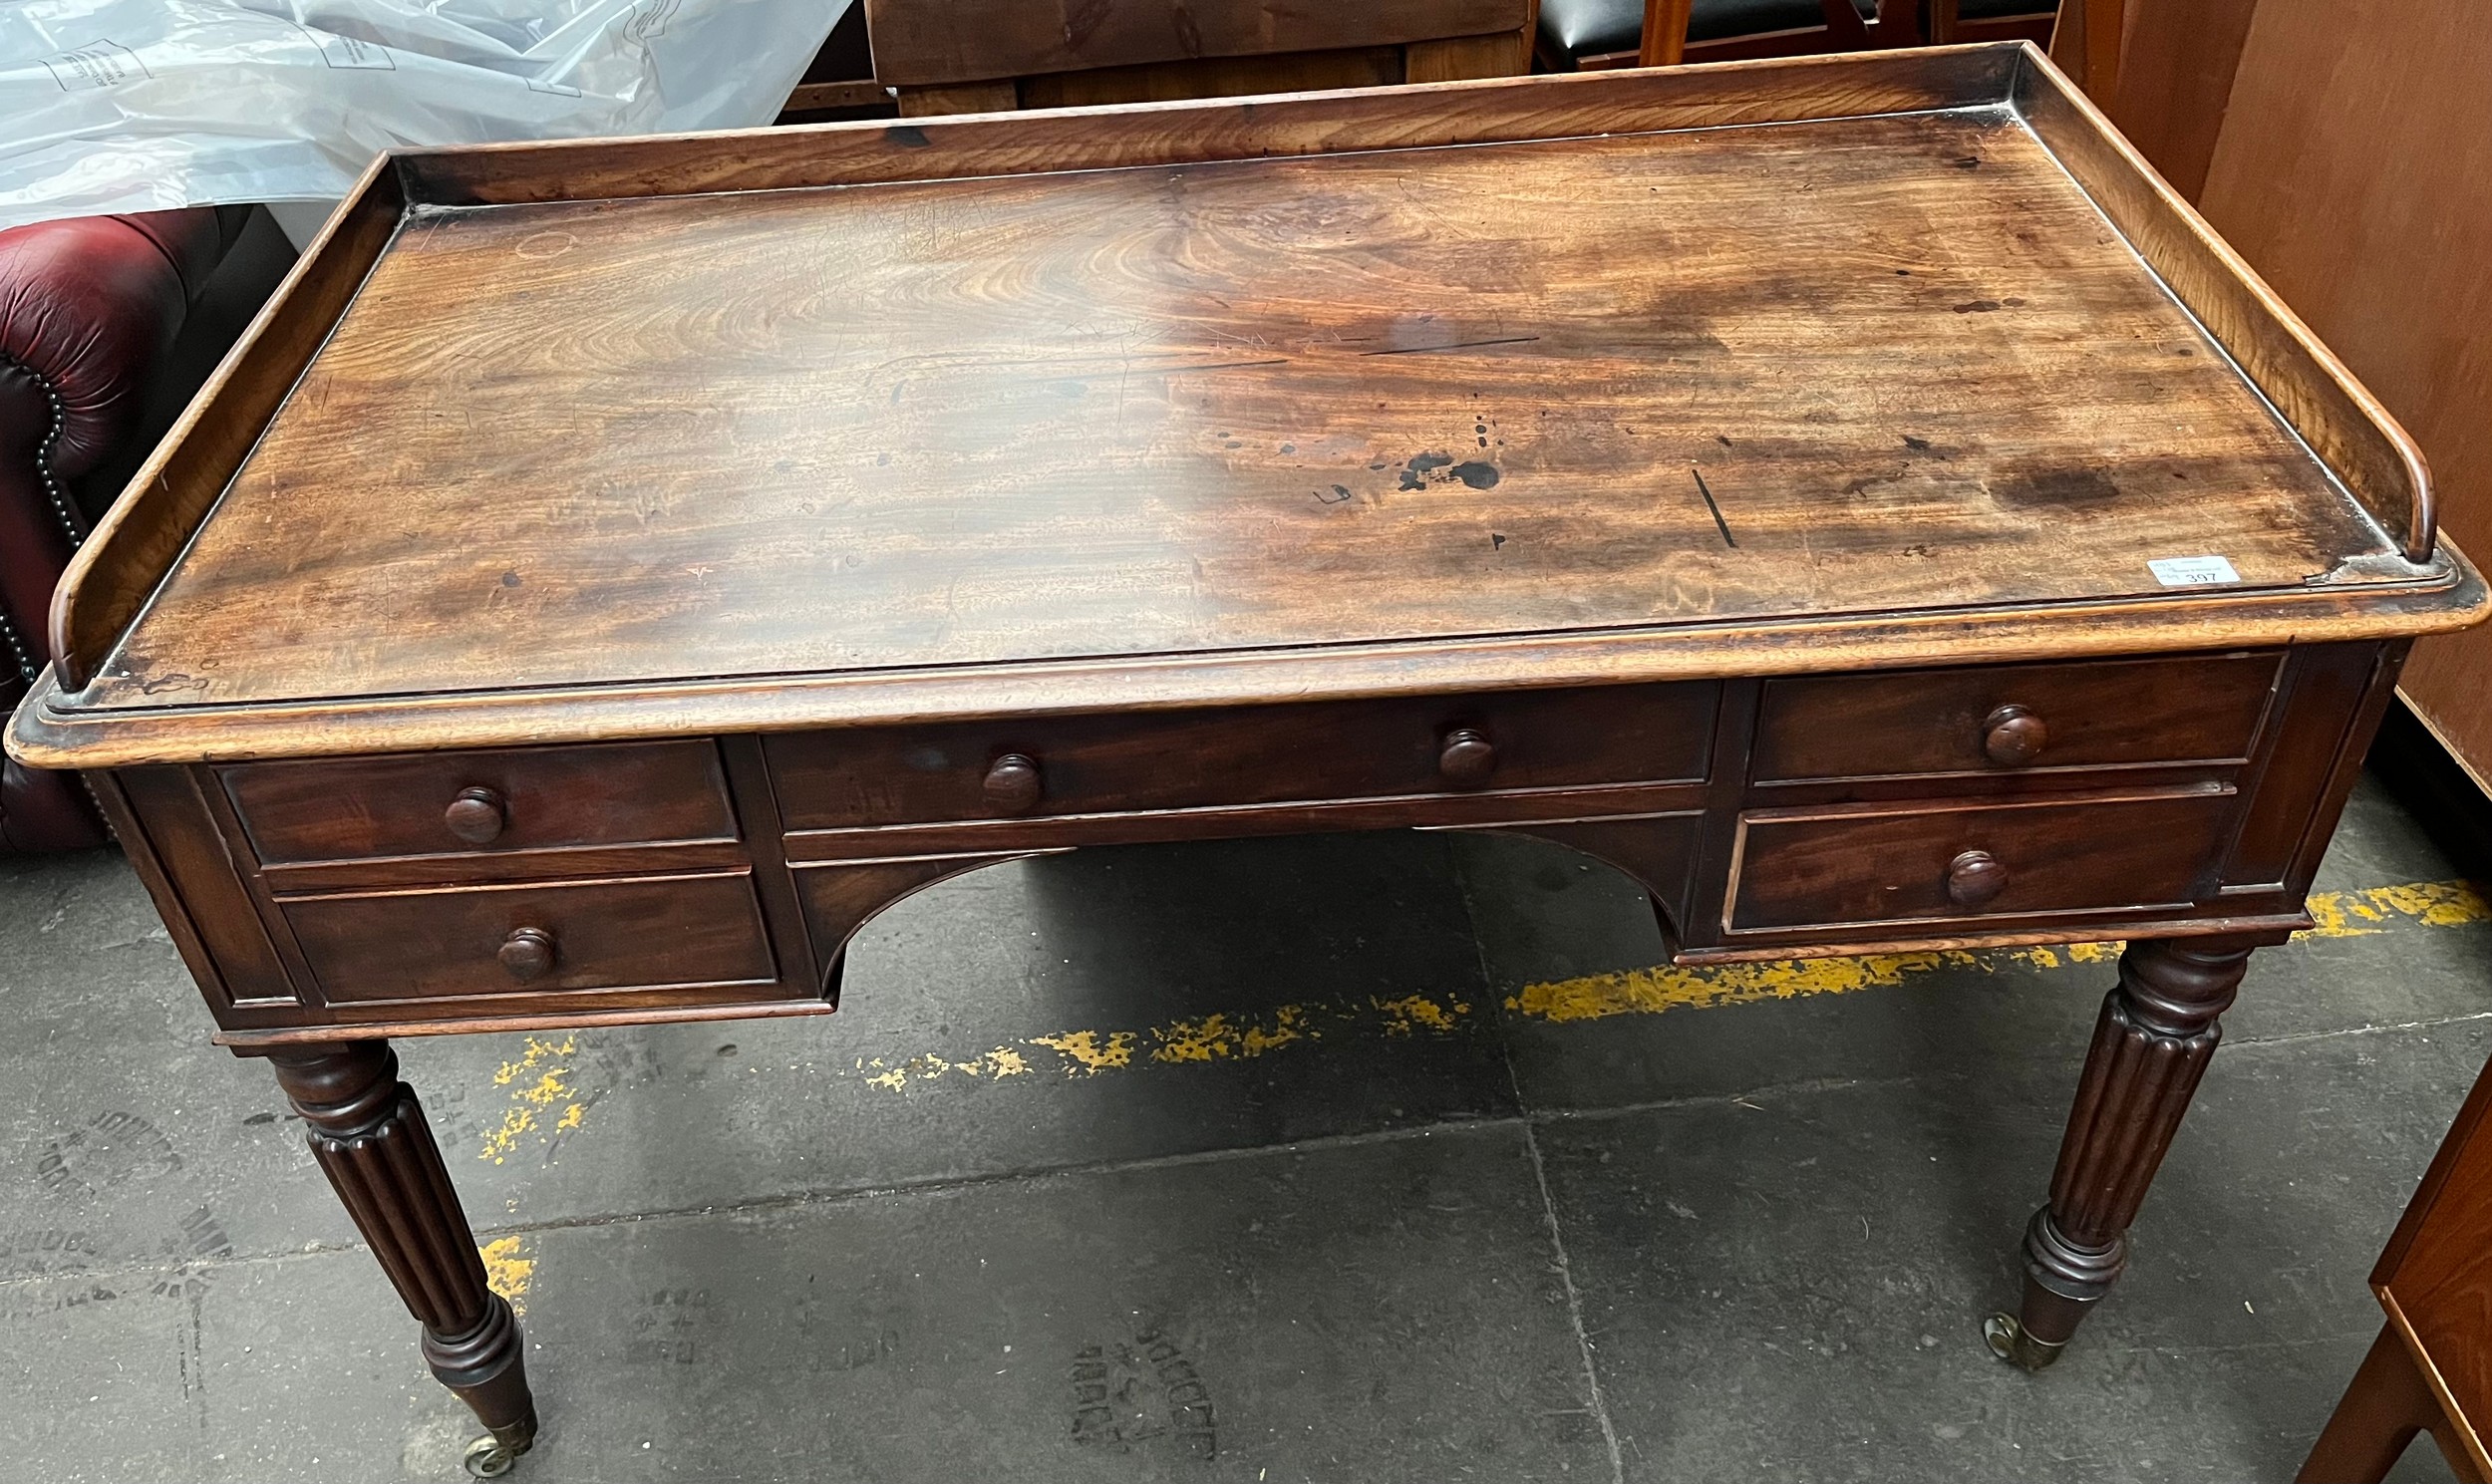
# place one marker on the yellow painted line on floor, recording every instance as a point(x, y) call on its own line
point(1646, 992)
point(1225, 1037)
point(2439, 904)
point(538, 1080)
point(1212, 1038)
point(2333, 914)
point(540, 1077)
point(507, 1269)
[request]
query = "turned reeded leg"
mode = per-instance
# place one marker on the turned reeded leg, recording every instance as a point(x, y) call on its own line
point(369, 1134)
point(2158, 1029)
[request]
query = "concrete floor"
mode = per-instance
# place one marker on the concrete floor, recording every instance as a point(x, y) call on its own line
point(1364, 1159)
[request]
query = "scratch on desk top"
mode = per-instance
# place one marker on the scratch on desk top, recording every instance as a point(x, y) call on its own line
point(1706, 490)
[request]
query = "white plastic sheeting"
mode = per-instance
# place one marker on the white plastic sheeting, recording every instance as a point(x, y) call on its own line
point(142, 105)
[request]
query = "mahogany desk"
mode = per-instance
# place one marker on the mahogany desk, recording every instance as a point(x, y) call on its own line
point(611, 572)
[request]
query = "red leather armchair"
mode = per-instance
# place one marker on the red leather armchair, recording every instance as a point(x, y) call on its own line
point(93, 362)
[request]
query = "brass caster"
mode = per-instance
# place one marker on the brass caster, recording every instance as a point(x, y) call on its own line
point(2009, 1341)
point(489, 1457)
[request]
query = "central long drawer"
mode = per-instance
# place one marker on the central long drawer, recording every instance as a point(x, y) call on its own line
point(1333, 751)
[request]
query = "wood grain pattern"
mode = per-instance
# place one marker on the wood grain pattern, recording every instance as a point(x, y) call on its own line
point(127, 552)
point(1877, 864)
point(999, 97)
point(1435, 810)
point(1663, 39)
point(1263, 404)
point(1776, 90)
point(2435, 1276)
point(2389, 1402)
point(2202, 710)
point(550, 798)
point(606, 935)
point(2317, 720)
point(2343, 423)
point(1262, 754)
point(961, 41)
point(2285, 791)
point(1213, 76)
point(1457, 58)
point(2369, 602)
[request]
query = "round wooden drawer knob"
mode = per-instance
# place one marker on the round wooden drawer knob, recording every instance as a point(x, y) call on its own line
point(1975, 879)
point(2014, 736)
point(1014, 784)
point(528, 953)
point(476, 815)
point(1466, 759)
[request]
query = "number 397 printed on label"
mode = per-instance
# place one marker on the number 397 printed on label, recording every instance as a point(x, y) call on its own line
point(2193, 571)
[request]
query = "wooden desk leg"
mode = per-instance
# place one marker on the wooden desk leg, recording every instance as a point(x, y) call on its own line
point(369, 1134)
point(2158, 1029)
point(2386, 1404)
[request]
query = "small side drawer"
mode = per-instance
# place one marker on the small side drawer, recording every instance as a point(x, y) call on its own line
point(1891, 863)
point(2012, 718)
point(447, 804)
point(650, 932)
point(1330, 751)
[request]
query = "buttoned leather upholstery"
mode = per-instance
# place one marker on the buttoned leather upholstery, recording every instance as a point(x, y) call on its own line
point(90, 308)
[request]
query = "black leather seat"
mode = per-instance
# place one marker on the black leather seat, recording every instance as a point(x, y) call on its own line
point(1573, 30)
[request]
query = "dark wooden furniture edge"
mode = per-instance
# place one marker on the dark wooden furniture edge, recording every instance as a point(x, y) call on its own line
point(111, 577)
point(2463, 1129)
point(246, 1040)
point(2460, 1448)
point(2260, 906)
point(2401, 1387)
point(2352, 433)
point(49, 735)
point(903, 58)
point(136, 544)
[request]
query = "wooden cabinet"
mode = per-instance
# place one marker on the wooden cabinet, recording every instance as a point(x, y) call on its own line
point(2344, 149)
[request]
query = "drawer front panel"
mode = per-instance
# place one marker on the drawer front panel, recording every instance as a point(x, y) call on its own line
point(1246, 755)
point(2014, 717)
point(449, 804)
point(1901, 864)
point(534, 938)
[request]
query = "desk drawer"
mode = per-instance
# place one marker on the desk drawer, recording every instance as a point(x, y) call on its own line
point(1887, 863)
point(534, 938)
point(2012, 718)
point(449, 804)
point(1245, 755)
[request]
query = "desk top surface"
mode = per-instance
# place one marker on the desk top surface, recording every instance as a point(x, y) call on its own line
point(1880, 366)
